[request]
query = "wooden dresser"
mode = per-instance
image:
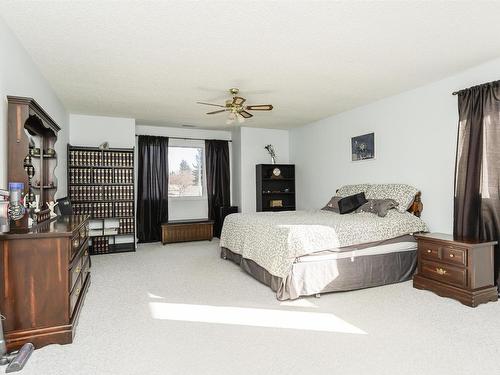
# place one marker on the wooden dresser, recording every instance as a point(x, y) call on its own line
point(45, 276)
point(456, 268)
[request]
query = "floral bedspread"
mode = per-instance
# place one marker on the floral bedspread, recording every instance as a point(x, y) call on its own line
point(274, 239)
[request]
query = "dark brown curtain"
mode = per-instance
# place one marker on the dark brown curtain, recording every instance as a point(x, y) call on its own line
point(477, 174)
point(218, 180)
point(152, 187)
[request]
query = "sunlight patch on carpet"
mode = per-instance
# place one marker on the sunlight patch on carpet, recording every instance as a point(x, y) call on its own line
point(299, 302)
point(309, 321)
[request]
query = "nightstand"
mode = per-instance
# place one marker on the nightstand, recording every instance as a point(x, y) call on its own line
point(456, 268)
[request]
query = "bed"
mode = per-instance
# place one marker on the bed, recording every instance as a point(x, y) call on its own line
point(301, 253)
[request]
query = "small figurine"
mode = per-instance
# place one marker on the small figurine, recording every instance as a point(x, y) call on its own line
point(52, 205)
point(104, 146)
point(36, 203)
point(34, 207)
point(272, 153)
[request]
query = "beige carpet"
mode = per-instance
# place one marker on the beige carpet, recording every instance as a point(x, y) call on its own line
point(180, 309)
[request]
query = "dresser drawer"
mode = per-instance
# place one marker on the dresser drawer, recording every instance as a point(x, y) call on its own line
point(86, 256)
point(85, 267)
point(77, 264)
point(75, 245)
point(454, 255)
point(444, 273)
point(75, 294)
point(75, 273)
point(429, 250)
point(84, 231)
point(79, 238)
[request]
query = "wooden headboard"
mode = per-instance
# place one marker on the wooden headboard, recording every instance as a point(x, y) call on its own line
point(417, 207)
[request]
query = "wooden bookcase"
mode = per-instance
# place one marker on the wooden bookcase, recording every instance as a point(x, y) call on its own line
point(101, 185)
point(270, 188)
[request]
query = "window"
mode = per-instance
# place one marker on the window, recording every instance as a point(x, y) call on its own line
point(186, 171)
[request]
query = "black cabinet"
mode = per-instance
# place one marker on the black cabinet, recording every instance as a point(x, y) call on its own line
point(275, 187)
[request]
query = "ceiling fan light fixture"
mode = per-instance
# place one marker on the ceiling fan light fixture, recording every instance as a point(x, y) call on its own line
point(235, 107)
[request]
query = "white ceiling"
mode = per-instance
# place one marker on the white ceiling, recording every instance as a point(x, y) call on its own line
point(153, 60)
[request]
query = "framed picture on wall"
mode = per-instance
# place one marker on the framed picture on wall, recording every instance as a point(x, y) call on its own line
point(363, 147)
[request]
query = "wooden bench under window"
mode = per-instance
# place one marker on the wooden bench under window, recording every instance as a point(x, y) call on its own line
point(187, 230)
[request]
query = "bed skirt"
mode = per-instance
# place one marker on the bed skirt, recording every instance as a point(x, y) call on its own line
point(316, 277)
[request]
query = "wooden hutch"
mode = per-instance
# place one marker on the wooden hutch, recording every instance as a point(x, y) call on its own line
point(46, 267)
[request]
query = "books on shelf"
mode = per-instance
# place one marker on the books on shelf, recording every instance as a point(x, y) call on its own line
point(82, 157)
point(101, 185)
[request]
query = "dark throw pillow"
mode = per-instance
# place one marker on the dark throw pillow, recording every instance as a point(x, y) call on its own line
point(351, 203)
point(333, 205)
point(378, 206)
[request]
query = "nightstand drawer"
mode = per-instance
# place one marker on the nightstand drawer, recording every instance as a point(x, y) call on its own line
point(449, 254)
point(454, 255)
point(429, 250)
point(444, 273)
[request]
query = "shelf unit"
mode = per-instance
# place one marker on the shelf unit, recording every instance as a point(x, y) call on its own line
point(101, 185)
point(270, 188)
point(32, 159)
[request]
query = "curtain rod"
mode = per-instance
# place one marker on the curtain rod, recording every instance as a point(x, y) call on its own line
point(473, 87)
point(189, 139)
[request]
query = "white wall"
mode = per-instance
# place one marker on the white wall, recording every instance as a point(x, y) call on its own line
point(91, 131)
point(246, 150)
point(236, 167)
point(251, 146)
point(415, 136)
point(185, 208)
point(19, 76)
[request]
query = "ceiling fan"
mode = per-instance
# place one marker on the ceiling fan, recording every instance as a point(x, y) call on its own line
point(236, 108)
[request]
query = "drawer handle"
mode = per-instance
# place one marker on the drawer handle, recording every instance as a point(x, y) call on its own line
point(78, 291)
point(429, 251)
point(77, 270)
point(441, 271)
point(452, 256)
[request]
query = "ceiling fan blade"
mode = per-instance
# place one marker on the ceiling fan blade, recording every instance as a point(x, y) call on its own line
point(245, 114)
point(218, 111)
point(259, 107)
point(238, 100)
point(215, 105)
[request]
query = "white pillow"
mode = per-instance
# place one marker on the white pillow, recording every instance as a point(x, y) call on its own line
point(401, 193)
point(348, 190)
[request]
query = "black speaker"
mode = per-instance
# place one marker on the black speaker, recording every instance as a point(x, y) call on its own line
point(64, 205)
point(227, 210)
